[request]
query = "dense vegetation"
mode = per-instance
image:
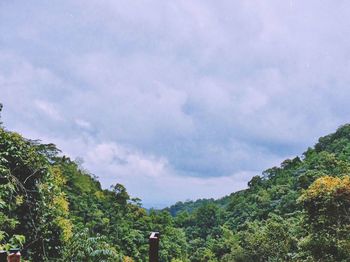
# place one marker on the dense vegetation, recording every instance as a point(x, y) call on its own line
point(56, 211)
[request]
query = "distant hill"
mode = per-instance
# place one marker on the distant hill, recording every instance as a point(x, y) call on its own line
point(54, 210)
point(190, 206)
point(276, 218)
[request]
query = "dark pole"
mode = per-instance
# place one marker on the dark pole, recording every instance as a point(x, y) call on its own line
point(3, 256)
point(154, 247)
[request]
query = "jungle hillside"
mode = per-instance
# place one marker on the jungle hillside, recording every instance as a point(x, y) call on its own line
point(55, 210)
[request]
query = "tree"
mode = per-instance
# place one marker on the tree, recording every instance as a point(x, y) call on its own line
point(270, 240)
point(82, 247)
point(121, 195)
point(327, 221)
point(206, 218)
point(0, 113)
point(32, 194)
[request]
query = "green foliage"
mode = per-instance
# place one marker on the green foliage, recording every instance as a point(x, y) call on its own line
point(82, 247)
point(269, 240)
point(327, 220)
point(51, 208)
point(30, 191)
point(56, 211)
point(267, 222)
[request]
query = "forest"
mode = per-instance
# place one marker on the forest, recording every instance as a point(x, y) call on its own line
point(55, 210)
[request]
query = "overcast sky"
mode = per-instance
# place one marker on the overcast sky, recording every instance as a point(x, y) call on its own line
point(175, 99)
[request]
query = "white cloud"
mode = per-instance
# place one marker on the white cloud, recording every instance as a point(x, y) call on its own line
point(48, 109)
point(83, 123)
point(189, 93)
point(149, 177)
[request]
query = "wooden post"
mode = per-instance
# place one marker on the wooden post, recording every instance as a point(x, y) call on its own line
point(154, 247)
point(3, 256)
point(14, 256)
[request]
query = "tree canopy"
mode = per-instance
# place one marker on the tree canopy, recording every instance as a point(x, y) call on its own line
point(56, 211)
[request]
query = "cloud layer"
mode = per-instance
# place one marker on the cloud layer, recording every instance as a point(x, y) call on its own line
point(176, 100)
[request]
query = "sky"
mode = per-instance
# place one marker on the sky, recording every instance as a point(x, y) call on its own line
point(180, 99)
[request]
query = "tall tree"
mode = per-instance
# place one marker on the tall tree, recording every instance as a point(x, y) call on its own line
point(327, 220)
